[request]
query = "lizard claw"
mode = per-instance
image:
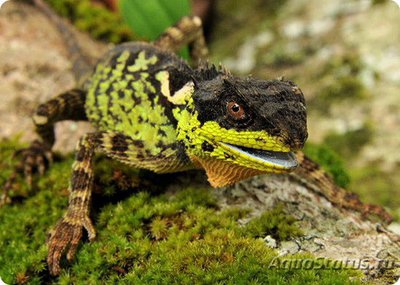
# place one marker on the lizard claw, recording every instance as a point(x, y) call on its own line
point(35, 158)
point(66, 237)
point(4, 197)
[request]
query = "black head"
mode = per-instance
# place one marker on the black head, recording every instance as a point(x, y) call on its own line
point(274, 107)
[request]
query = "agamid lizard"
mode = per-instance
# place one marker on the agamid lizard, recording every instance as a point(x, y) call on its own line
point(154, 111)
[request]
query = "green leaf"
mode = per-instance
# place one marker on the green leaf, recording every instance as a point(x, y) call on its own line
point(148, 19)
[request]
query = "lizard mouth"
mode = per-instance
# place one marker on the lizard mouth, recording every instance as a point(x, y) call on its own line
point(285, 160)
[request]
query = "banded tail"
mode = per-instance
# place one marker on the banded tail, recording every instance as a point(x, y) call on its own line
point(81, 63)
point(310, 173)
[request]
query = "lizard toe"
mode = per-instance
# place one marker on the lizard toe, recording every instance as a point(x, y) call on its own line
point(34, 159)
point(65, 238)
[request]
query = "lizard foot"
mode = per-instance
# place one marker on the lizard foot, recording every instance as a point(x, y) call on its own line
point(66, 237)
point(4, 197)
point(35, 158)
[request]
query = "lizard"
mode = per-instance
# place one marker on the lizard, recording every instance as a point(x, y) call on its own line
point(154, 111)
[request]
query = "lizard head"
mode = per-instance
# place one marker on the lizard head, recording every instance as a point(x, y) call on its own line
point(235, 128)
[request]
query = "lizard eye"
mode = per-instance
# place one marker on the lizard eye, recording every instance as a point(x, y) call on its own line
point(235, 110)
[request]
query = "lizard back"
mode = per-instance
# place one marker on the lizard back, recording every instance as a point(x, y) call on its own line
point(131, 92)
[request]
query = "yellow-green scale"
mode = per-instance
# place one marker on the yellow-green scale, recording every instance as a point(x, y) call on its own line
point(123, 99)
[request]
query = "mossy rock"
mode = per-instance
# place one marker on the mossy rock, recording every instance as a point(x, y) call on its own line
point(330, 161)
point(144, 236)
point(350, 143)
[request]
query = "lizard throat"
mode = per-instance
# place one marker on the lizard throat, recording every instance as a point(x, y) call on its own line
point(221, 173)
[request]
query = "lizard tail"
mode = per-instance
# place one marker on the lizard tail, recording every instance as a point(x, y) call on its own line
point(81, 64)
point(310, 173)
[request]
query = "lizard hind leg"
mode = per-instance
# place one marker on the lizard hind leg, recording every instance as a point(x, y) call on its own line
point(68, 231)
point(36, 158)
point(188, 30)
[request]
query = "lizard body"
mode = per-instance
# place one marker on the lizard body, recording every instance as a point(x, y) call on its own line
point(153, 111)
point(152, 96)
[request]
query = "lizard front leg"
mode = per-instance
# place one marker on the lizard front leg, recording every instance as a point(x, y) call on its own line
point(66, 106)
point(35, 158)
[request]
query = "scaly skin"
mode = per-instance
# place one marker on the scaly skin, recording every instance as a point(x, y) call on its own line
point(153, 111)
point(153, 96)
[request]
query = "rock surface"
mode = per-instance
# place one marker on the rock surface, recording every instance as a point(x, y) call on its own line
point(34, 67)
point(329, 232)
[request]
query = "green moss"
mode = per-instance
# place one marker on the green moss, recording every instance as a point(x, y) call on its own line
point(98, 21)
point(376, 186)
point(179, 237)
point(275, 223)
point(350, 143)
point(330, 162)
